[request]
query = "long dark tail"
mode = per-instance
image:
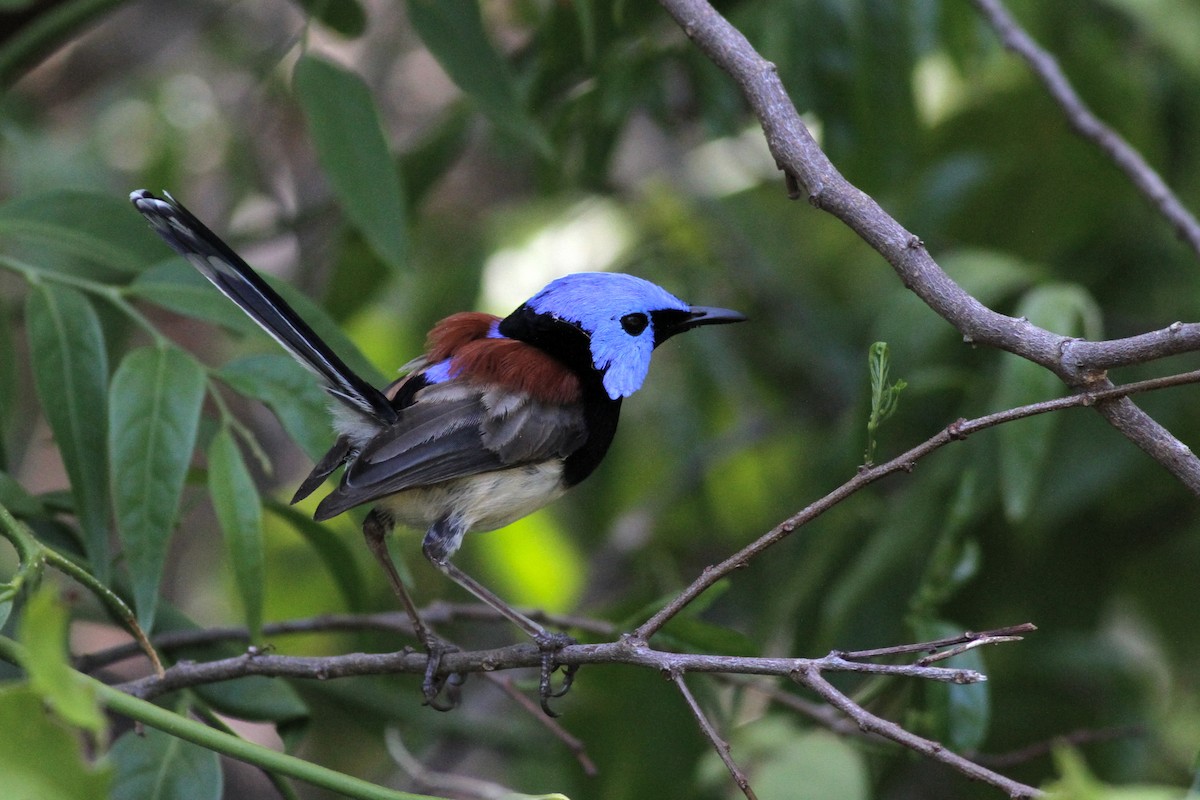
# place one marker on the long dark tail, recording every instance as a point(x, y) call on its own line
point(228, 272)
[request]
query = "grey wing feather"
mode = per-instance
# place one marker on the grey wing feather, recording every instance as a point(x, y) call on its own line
point(452, 431)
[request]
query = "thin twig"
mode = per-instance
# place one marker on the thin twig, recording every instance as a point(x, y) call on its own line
point(806, 166)
point(1144, 178)
point(572, 742)
point(1028, 753)
point(397, 622)
point(459, 785)
point(719, 744)
point(956, 431)
point(1010, 633)
point(811, 678)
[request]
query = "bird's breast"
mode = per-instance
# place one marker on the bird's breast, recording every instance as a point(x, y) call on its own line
point(484, 502)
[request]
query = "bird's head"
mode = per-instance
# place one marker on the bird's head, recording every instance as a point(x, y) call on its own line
point(607, 322)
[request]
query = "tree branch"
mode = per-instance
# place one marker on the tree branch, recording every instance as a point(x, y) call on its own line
point(867, 475)
point(807, 167)
point(1088, 125)
point(718, 743)
point(812, 679)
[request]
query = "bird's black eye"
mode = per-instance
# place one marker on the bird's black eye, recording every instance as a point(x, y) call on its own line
point(634, 324)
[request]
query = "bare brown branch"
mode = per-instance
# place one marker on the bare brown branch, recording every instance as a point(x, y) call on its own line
point(812, 679)
point(808, 168)
point(1088, 125)
point(718, 743)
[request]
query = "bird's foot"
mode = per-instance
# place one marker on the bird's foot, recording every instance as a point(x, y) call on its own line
point(550, 644)
point(434, 684)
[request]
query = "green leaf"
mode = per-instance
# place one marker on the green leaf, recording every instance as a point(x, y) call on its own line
point(152, 765)
point(344, 16)
point(46, 760)
point(14, 497)
point(292, 394)
point(335, 554)
point(44, 634)
point(177, 285)
point(154, 410)
point(8, 376)
point(239, 512)
point(453, 31)
point(70, 370)
point(789, 762)
point(348, 136)
point(1025, 445)
point(95, 227)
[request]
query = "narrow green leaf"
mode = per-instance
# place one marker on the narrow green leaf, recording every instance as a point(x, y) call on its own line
point(44, 634)
point(344, 16)
point(292, 394)
point(177, 285)
point(95, 227)
point(1025, 446)
point(239, 512)
point(70, 370)
point(453, 31)
point(154, 409)
point(152, 765)
point(348, 136)
point(46, 760)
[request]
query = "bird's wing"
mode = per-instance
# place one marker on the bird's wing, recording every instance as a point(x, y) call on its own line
point(454, 430)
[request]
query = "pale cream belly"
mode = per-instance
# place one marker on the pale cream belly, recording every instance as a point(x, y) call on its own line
point(484, 502)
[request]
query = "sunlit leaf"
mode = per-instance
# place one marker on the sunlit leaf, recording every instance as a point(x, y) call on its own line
point(152, 765)
point(44, 634)
point(70, 370)
point(46, 760)
point(348, 135)
point(154, 408)
point(239, 512)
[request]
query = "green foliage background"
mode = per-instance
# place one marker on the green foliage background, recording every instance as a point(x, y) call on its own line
point(423, 158)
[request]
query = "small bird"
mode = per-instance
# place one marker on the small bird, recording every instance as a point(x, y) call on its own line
point(496, 419)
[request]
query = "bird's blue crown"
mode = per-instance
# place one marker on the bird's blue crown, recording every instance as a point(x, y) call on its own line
point(600, 303)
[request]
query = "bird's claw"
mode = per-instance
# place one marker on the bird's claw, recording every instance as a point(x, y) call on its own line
point(433, 685)
point(550, 644)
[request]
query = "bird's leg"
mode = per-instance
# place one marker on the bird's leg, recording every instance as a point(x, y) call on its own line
point(376, 527)
point(442, 539)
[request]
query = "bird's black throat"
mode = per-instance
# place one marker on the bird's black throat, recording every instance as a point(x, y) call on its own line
point(569, 345)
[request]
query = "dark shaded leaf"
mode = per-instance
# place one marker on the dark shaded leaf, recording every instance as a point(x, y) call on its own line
point(152, 765)
point(70, 370)
point(348, 135)
point(453, 32)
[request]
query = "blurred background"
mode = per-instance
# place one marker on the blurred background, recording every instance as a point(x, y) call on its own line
point(610, 143)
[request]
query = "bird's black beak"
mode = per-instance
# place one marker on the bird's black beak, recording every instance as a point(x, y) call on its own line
point(670, 322)
point(707, 315)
